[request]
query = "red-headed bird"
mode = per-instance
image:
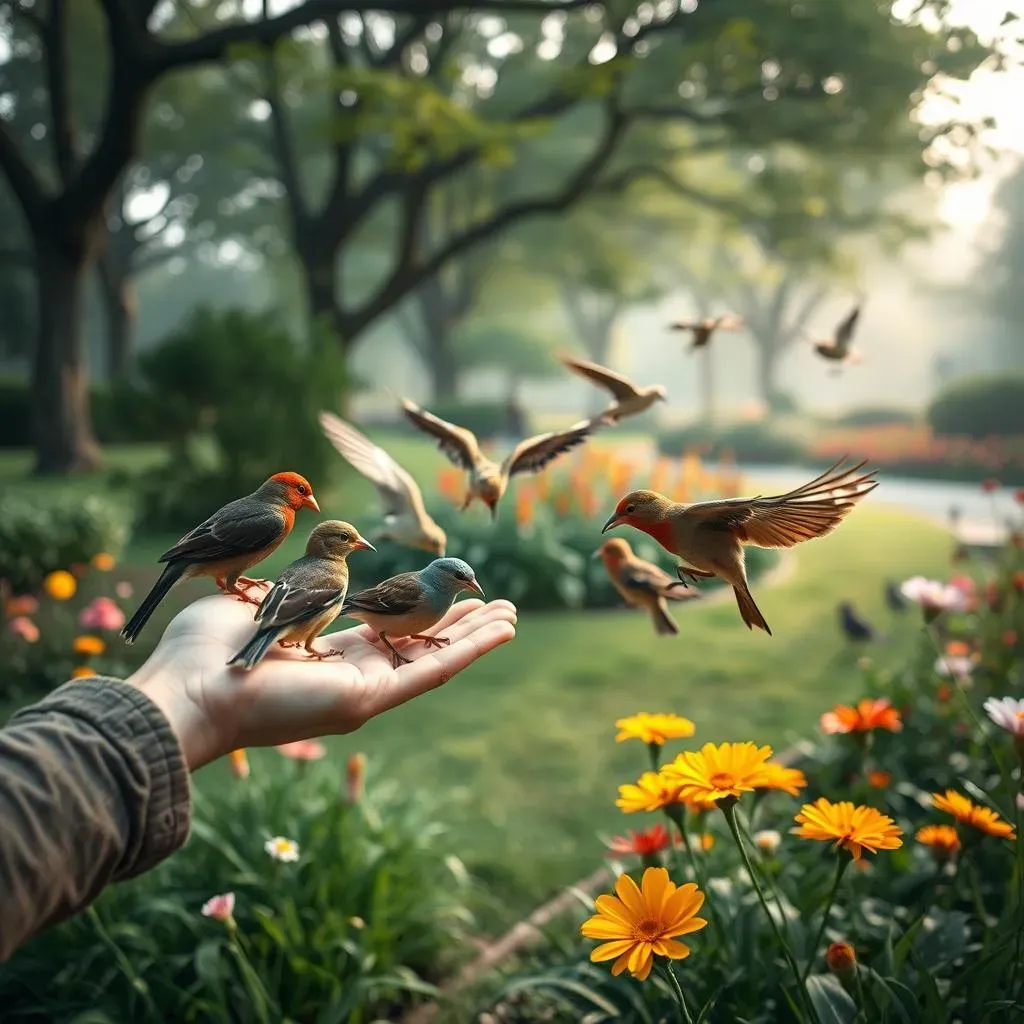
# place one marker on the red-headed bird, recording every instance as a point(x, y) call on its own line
point(235, 538)
point(709, 536)
point(643, 584)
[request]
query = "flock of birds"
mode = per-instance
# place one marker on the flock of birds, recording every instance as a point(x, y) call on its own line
point(707, 537)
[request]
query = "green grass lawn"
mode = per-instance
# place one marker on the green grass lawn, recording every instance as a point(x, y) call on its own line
point(521, 746)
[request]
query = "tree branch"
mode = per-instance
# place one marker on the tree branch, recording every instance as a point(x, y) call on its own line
point(284, 148)
point(623, 179)
point(23, 182)
point(338, 187)
point(62, 129)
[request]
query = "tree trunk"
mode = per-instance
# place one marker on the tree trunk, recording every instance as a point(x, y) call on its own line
point(443, 369)
point(61, 424)
point(120, 308)
point(439, 319)
point(326, 323)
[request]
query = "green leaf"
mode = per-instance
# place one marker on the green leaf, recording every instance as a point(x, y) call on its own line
point(830, 1000)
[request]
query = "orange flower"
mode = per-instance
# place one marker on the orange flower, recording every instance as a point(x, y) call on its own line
point(89, 645)
point(525, 507)
point(841, 958)
point(879, 779)
point(866, 716)
point(942, 839)
point(943, 693)
point(778, 776)
point(239, 764)
point(355, 777)
point(103, 561)
point(24, 604)
point(642, 844)
point(83, 672)
point(60, 585)
point(651, 792)
point(958, 649)
point(855, 829)
point(982, 818)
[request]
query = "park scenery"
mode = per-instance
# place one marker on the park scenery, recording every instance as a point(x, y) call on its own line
point(689, 327)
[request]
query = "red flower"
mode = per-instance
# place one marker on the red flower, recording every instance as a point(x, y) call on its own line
point(1010, 637)
point(866, 716)
point(1018, 496)
point(990, 485)
point(640, 843)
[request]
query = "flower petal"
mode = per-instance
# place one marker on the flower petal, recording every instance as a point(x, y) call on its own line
point(610, 950)
point(598, 927)
point(655, 890)
point(672, 949)
point(628, 891)
point(610, 906)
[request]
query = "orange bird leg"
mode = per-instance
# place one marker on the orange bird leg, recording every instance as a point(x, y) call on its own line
point(431, 641)
point(397, 659)
point(315, 655)
point(288, 643)
point(246, 583)
point(241, 595)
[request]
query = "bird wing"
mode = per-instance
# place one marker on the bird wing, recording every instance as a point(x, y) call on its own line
point(730, 322)
point(241, 526)
point(306, 589)
point(782, 520)
point(458, 443)
point(398, 491)
point(620, 387)
point(396, 596)
point(533, 454)
point(844, 332)
point(686, 325)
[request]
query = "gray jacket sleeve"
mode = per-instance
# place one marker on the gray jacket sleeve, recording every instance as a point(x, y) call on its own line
point(93, 789)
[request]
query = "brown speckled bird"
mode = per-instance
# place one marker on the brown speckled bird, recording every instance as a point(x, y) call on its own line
point(488, 480)
point(709, 536)
point(235, 538)
point(630, 400)
point(307, 596)
point(643, 584)
point(838, 349)
point(704, 329)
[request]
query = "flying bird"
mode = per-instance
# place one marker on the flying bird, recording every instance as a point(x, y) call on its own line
point(234, 539)
point(630, 400)
point(408, 604)
point(854, 626)
point(643, 584)
point(709, 536)
point(307, 597)
point(893, 598)
point(406, 520)
point(839, 348)
point(704, 329)
point(488, 480)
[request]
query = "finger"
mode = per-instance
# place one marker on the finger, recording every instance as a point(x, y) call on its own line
point(436, 668)
point(369, 634)
point(470, 624)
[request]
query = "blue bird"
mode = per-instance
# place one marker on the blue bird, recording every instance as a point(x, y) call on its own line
point(411, 602)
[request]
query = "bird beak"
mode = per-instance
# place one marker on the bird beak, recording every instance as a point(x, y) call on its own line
point(475, 587)
point(364, 545)
point(310, 502)
point(613, 520)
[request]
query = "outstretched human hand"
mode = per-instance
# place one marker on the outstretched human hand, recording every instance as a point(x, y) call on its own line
point(214, 709)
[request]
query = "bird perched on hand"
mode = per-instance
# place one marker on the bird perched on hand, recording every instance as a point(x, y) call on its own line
point(643, 584)
point(406, 520)
point(235, 538)
point(705, 328)
point(839, 348)
point(629, 399)
point(709, 536)
point(411, 602)
point(855, 627)
point(307, 597)
point(488, 480)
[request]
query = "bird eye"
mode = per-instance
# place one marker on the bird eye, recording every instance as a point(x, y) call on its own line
point(630, 509)
point(302, 489)
point(343, 537)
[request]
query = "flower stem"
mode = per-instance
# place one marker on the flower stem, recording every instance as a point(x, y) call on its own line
point(670, 975)
point(730, 817)
point(842, 862)
point(654, 752)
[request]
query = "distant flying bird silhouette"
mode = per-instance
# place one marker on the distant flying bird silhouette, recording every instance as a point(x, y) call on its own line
point(630, 399)
point(893, 598)
point(703, 330)
point(839, 348)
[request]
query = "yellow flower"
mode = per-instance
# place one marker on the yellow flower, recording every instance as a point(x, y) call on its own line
point(651, 792)
point(778, 776)
point(718, 771)
point(639, 923)
point(853, 828)
point(82, 672)
point(982, 818)
point(654, 728)
point(60, 585)
point(942, 839)
point(87, 645)
point(103, 561)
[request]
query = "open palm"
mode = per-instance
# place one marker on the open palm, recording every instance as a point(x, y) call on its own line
point(214, 709)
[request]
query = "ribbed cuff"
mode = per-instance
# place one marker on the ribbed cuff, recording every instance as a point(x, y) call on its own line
point(140, 732)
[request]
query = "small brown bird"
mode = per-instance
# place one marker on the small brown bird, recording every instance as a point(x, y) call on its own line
point(630, 400)
point(488, 480)
point(838, 349)
point(643, 584)
point(709, 536)
point(307, 597)
point(235, 538)
point(704, 329)
point(406, 520)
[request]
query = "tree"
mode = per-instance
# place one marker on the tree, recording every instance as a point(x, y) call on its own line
point(519, 354)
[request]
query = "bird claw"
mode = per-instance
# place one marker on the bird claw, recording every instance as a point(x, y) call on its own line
point(243, 597)
point(432, 641)
point(397, 659)
point(245, 583)
point(288, 643)
point(334, 652)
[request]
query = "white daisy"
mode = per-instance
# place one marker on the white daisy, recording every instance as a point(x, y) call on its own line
point(282, 849)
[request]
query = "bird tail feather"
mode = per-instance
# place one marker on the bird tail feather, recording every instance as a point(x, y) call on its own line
point(255, 650)
point(133, 627)
point(664, 624)
point(749, 611)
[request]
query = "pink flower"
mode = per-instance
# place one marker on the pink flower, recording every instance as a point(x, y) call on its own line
point(303, 750)
point(1008, 714)
point(221, 907)
point(934, 596)
point(102, 613)
point(124, 590)
point(25, 628)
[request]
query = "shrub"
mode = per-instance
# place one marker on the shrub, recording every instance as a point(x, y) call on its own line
point(980, 407)
point(351, 932)
point(875, 416)
point(237, 399)
point(751, 442)
point(933, 937)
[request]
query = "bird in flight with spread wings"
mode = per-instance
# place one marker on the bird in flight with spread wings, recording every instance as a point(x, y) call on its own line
point(406, 520)
point(630, 400)
point(704, 329)
point(488, 480)
point(839, 348)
